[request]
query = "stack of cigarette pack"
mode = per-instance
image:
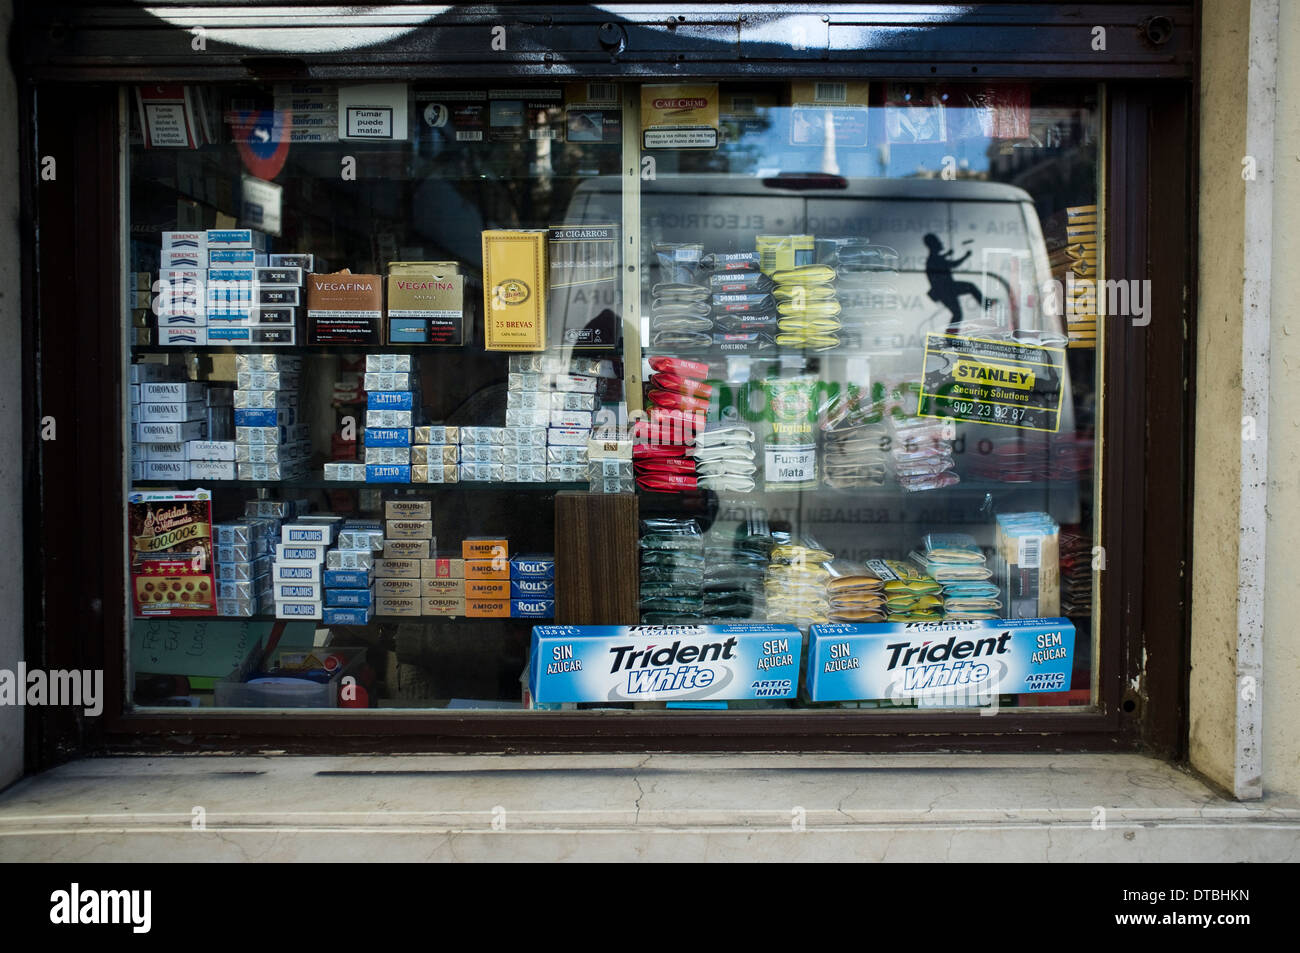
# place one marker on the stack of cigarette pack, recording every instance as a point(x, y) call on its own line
point(563, 395)
point(503, 454)
point(182, 428)
point(407, 545)
point(487, 577)
point(348, 577)
point(435, 454)
point(270, 441)
point(297, 571)
point(250, 300)
point(242, 559)
point(392, 404)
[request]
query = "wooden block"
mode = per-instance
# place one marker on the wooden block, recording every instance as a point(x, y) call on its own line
point(595, 558)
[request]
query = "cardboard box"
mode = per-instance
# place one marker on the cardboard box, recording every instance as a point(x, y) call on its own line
point(408, 529)
point(514, 290)
point(443, 605)
point(487, 569)
point(397, 605)
point(407, 548)
point(398, 568)
point(407, 588)
point(408, 509)
point(426, 303)
point(485, 547)
point(443, 588)
point(487, 608)
point(343, 308)
point(487, 589)
point(584, 291)
point(442, 567)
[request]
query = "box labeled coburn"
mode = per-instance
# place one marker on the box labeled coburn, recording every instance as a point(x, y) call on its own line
point(408, 509)
point(397, 587)
point(448, 588)
point(443, 605)
point(397, 568)
point(426, 303)
point(343, 308)
point(514, 290)
point(397, 605)
point(408, 529)
point(406, 548)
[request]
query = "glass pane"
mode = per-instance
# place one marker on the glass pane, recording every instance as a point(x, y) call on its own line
point(857, 306)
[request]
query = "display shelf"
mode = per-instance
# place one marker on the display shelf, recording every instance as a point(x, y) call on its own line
point(319, 484)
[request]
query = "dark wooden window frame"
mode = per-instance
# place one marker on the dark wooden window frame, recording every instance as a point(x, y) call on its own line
point(73, 355)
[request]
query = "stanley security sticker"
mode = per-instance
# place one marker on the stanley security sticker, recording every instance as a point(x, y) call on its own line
point(966, 661)
point(593, 663)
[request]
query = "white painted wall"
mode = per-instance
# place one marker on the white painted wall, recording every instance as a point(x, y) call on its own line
point(11, 408)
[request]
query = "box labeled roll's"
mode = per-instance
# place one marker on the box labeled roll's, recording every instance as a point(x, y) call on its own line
point(966, 663)
point(532, 608)
point(343, 308)
point(532, 588)
point(514, 290)
point(598, 663)
point(426, 303)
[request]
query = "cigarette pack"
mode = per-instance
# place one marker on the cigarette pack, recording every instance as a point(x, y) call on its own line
point(532, 608)
point(487, 569)
point(482, 435)
point(447, 588)
point(532, 588)
point(172, 392)
point(236, 238)
point(350, 472)
point(296, 572)
point(401, 549)
point(397, 568)
point(345, 615)
point(287, 317)
point(571, 419)
point(426, 303)
point(388, 418)
point(390, 364)
point(565, 473)
point(279, 296)
point(443, 605)
point(568, 437)
point(386, 586)
point(444, 473)
point(297, 610)
point(390, 400)
point(573, 400)
point(383, 473)
point(349, 559)
point(408, 509)
point(532, 566)
point(302, 261)
point(431, 456)
point(211, 470)
point(182, 336)
point(193, 241)
point(183, 258)
point(567, 455)
point(243, 571)
point(409, 529)
point(315, 533)
point(388, 455)
point(442, 567)
point(387, 380)
point(349, 597)
point(166, 470)
point(343, 308)
point(234, 256)
point(347, 578)
point(481, 453)
point(398, 605)
point(163, 451)
point(482, 472)
point(283, 591)
point(487, 608)
point(514, 290)
point(535, 456)
point(436, 436)
point(280, 275)
point(575, 383)
point(286, 552)
point(523, 436)
point(487, 589)
point(146, 432)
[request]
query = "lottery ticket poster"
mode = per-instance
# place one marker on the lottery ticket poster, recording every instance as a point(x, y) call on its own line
point(171, 553)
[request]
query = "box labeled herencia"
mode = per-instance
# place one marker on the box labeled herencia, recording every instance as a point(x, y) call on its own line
point(595, 663)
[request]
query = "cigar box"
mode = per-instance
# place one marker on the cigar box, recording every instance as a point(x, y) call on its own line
point(426, 303)
point(514, 290)
point(343, 308)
